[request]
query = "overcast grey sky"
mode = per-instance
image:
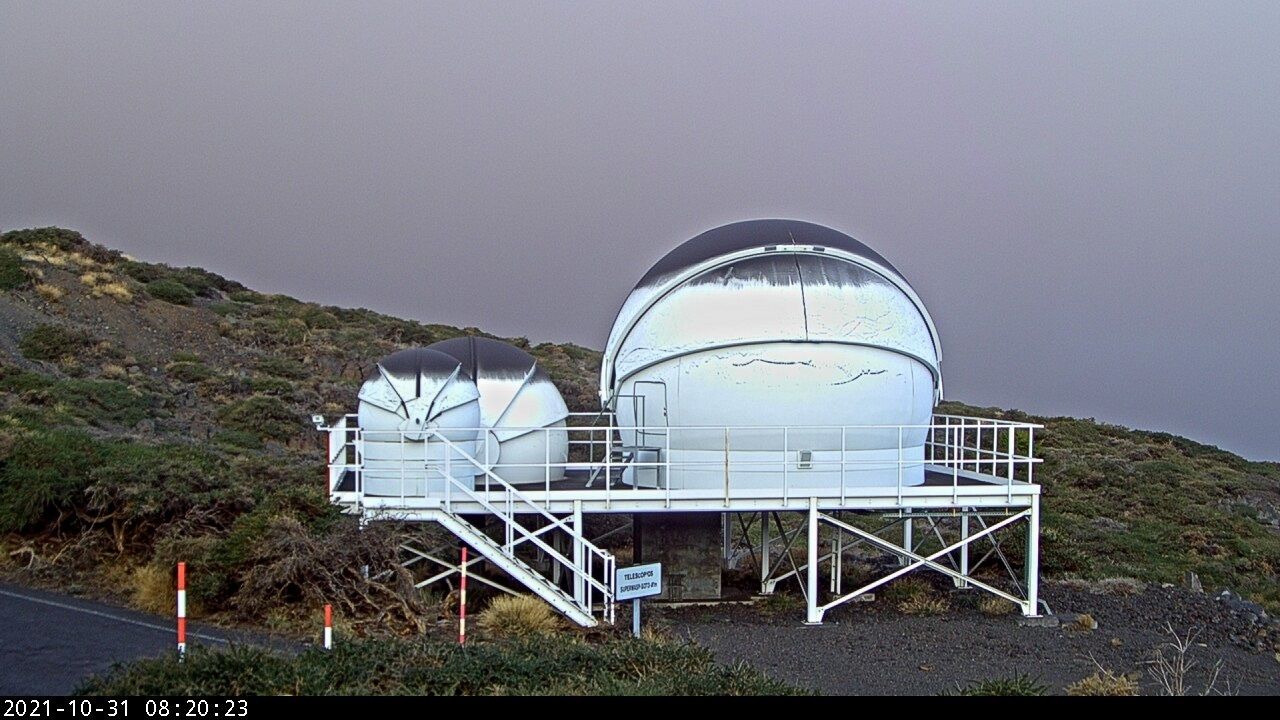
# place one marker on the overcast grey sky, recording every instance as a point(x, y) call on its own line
point(1086, 194)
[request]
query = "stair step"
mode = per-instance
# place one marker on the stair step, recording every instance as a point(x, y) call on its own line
point(517, 568)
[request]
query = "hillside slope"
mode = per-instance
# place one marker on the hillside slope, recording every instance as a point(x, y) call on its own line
point(151, 413)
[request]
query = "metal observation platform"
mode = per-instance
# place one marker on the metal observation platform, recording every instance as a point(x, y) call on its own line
point(973, 485)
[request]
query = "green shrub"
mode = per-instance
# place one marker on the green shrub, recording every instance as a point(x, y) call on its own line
point(189, 372)
point(202, 281)
point(52, 342)
point(12, 276)
point(262, 415)
point(144, 272)
point(45, 472)
point(170, 291)
point(1017, 686)
point(237, 439)
point(65, 240)
point(270, 385)
point(104, 401)
point(535, 666)
point(248, 296)
point(281, 366)
point(101, 402)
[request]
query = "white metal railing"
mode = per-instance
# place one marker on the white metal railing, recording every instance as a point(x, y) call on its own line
point(966, 450)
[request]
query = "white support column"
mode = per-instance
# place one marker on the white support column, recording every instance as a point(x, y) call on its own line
point(577, 553)
point(964, 549)
point(727, 537)
point(764, 553)
point(837, 563)
point(814, 615)
point(557, 570)
point(1032, 608)
point(908, 542)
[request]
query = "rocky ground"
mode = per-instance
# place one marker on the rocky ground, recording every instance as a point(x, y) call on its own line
point(873, 648)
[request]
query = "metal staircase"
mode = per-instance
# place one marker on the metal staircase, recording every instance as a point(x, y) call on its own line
point(592, 598)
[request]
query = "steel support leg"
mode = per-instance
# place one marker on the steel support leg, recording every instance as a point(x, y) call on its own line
point(964, 551)
point(908, 543)
point(764, 554)
point(837, 563)
point(1032, 608)
point(814, 614)
point(726, 531)
point(577, 553)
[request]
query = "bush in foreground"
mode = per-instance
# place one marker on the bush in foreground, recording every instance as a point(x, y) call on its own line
point(1105, 683)
point(536, 666)
point(1017, 686)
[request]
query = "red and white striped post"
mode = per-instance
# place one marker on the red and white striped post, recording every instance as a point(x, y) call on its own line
point(462, 601)
point(328, 627)
point(182, 610)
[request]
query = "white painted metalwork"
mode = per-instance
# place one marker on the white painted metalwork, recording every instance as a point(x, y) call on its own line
point(959, 458)
point(763, 367)
point(774, 323)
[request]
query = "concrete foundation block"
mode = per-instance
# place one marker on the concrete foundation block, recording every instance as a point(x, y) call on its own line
point(690, 548)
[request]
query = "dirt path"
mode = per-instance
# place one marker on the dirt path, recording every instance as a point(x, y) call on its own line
point(873, 649)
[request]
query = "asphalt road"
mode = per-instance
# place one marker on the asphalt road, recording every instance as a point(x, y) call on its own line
point(49, 643)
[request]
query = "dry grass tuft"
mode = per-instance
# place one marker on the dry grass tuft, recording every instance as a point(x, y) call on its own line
point(924, 605)
point(1084, 622)
point(781, 601)
point(111, 371)
point(907, 588)
point(1120, 586)
point(518, 616)
point(114, 289)
point(1104, 682)
point(51, 293)
point(995, 606)
point(1117, 586)
point(153, 589)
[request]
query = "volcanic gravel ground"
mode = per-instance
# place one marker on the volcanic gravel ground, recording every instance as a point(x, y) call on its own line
point(872, 648)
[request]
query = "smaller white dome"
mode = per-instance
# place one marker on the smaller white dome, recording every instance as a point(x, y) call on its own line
point(413, 390)
point(410, 392)
point(521, 409)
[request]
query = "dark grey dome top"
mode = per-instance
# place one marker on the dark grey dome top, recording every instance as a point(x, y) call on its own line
point(416, 361)
point(752, 234)
point(487, 357)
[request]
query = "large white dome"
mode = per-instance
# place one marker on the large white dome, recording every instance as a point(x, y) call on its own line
point(772, 323)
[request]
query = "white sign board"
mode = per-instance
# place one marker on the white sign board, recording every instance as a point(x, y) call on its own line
point(639, 581)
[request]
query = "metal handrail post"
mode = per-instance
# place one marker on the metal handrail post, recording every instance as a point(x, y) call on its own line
point(843, 452)
point(665, 466)
point(1011, 446)
point(786, 457)
point(900, 469)
point(1031, 455)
